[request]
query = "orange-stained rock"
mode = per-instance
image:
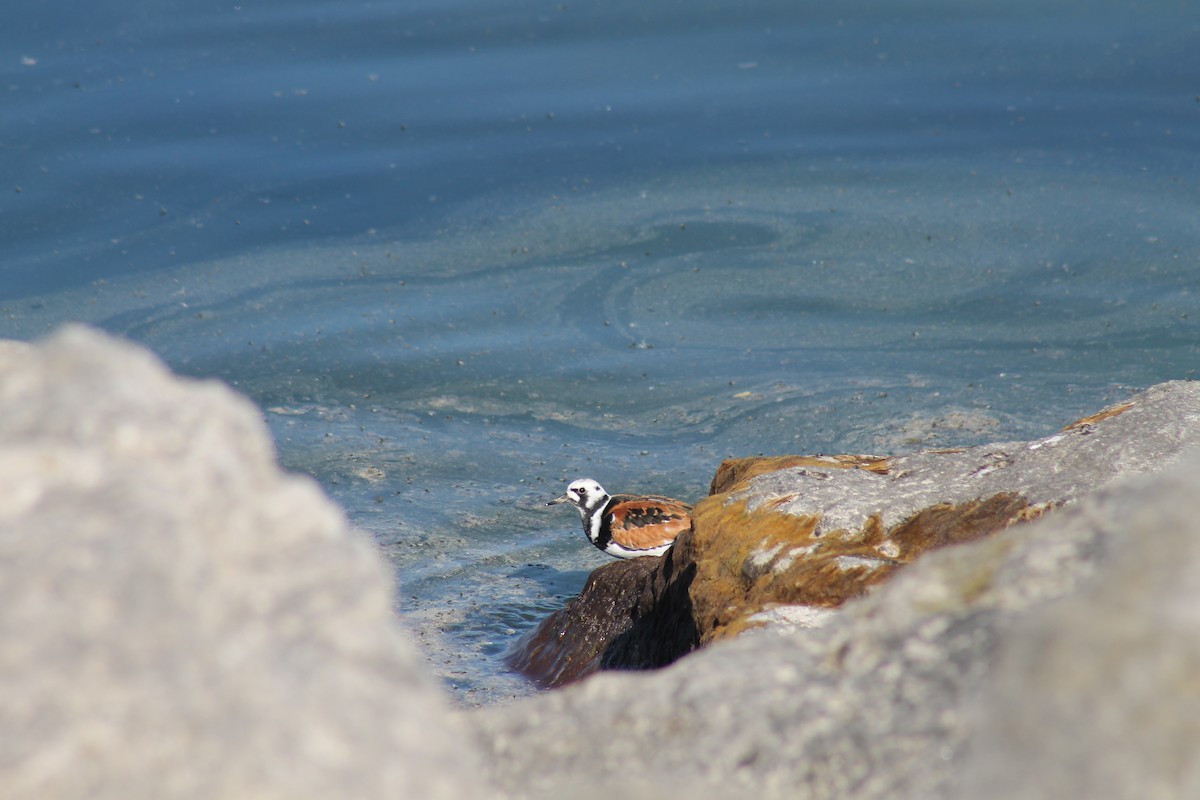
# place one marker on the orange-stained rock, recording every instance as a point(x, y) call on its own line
point(748, 561)
point(736, 471)
point(1100, 416)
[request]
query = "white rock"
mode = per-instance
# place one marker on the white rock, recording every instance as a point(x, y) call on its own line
point(180, 618)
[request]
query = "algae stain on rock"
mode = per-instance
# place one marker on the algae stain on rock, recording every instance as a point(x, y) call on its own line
point(753, 560)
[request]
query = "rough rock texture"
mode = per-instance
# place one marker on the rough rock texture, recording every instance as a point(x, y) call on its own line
point(180, 619)
point(1099, 696)
point(959, 678)
point(818, 530)
point(631, 614)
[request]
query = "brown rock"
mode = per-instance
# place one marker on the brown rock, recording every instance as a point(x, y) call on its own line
point(757, 549)
point(631, 614)
point(736, 471)
point(664, 626)
point(747, 561)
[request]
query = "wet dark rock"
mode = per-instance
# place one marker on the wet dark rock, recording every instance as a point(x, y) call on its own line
point(631, 614)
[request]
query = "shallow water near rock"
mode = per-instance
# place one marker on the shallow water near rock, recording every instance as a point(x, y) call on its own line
point(461, 254)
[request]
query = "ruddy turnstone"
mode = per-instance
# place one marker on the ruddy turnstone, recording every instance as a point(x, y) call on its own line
point(627, 525)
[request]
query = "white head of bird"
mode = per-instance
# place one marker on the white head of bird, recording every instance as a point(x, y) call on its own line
point(585, 494)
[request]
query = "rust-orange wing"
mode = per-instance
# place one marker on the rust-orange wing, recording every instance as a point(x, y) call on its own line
point(646, 522)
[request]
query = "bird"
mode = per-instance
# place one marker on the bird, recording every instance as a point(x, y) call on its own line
point(627, 525)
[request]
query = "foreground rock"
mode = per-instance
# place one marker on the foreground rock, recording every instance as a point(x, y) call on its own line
point(1097, 696)
point(962, 677)
point(181, 620)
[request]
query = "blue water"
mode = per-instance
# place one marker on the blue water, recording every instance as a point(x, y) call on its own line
point(462, 252)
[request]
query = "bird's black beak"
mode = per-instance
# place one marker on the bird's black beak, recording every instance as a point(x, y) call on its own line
point(566, 498)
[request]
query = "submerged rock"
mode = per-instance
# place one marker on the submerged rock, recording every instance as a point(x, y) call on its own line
point(181, 619)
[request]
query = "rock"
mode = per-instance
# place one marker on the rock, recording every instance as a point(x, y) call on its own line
point(1098, 695)
point(789, 538)
point(181, 619)
point(734, 472)
point(570, 643)
point(966, 675)
point(631, 614)
point(819, 530)
point(959, 678)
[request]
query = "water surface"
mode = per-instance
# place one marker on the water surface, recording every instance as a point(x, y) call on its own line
point(461, 253)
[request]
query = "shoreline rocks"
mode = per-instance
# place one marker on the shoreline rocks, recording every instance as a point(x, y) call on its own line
point(183, 620)
point(1046, 660)
point(785, 538)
